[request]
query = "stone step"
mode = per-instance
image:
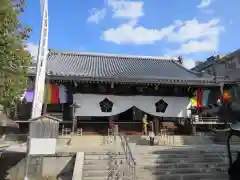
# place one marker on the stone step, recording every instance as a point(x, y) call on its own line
point(157, 171)
point(183, 165)
point(173, 171)
point(154, 178)
point(193, 176)
point(96, 173)
point(190, 151)
point(96, 162)
point(100, 161)
point(180, 160)
point(169, 177)
point(185, 156)
point(96, 166)
point(101, 178)
point(102, 157)
point(180, 152)
point(162, 166)
point(103, 153)
point(166, 177)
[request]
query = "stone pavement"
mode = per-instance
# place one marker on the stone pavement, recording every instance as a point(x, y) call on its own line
point(73, 144)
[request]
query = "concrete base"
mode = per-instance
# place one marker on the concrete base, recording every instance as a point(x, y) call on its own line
point(13, 165)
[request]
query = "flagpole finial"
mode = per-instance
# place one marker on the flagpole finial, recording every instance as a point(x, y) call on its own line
point(43, 4)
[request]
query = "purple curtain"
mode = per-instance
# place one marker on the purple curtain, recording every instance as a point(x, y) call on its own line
point(29, 95)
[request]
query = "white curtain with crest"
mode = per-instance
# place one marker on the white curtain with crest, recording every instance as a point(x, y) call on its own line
point(89, 105)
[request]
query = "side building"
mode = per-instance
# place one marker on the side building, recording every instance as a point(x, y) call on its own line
point(225, 69)
point(222, 66)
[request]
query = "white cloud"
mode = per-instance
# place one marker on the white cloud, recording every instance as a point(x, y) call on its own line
point(193, 29)
point(180, 32)
point(33, 49)
point(196, 37)
point(96, 15)
point(193, 46)
point(126, 9)
point(122, 9)
point(131, 34)
point(188, 63)
point(204, 3)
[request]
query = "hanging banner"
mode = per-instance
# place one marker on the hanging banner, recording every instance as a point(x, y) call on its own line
point(109, 105)
point(38, 97)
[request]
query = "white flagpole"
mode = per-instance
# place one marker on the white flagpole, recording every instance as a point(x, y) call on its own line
point(38, 97)
point(41, 64)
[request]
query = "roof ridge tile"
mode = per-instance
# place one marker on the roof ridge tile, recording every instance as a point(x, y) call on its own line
point(163, 58)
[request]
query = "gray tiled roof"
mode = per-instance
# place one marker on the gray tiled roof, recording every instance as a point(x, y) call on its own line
point(109, 67)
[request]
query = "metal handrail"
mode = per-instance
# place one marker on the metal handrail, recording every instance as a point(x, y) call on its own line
point(127, 150)
point(131, 163)
point(113, 167)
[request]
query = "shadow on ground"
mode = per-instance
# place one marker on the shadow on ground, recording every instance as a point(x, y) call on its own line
point(9, 160)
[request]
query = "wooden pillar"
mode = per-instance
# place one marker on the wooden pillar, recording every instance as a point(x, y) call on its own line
point(194, 131)
point(156, 124)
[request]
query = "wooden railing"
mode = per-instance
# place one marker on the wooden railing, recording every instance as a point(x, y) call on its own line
point(167, 137)
point(206, 120)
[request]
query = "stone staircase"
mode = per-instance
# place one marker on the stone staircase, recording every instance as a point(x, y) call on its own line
point(168, 163)
point(196, 161)
point(101, 165)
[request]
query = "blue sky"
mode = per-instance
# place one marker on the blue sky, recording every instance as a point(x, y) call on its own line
point(195, 29)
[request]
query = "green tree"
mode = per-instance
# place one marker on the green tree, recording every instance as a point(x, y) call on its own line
point(14, 58)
